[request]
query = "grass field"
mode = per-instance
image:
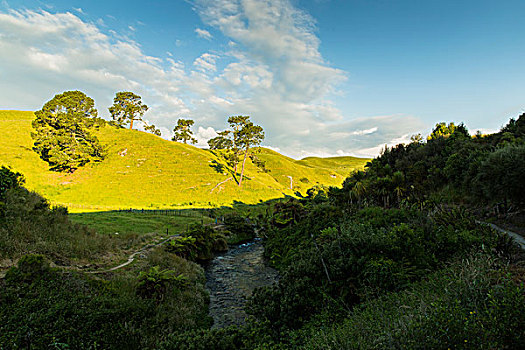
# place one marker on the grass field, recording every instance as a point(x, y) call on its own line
point(119, 223)
point(146, 171)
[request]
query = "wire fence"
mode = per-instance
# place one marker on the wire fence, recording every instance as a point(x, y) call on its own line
point(195, 213)
point(171, 212)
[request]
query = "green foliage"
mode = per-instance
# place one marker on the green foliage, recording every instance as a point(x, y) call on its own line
point(155, 283)
point(63, 135)
point(183, 131)
point(42, 306)
point(9, 180)
point(288, 213)
point(239, 229)
point(471, 305)
point(337, 263)
point(451, 167)
point(184, 247)
point(222, 141)
point(199, 243)
point(500, 175)
point(218, 339)
point(318, 192)
point(444, 130)
point(30, 267)
point(30, 225)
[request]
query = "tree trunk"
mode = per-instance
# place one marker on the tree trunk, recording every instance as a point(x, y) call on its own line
point(131, 124)
point(243, 162)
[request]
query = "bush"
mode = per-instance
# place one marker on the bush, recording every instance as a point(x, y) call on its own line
point(9, 180)
point(473, 304)
point(199, 243)
point(240, 230)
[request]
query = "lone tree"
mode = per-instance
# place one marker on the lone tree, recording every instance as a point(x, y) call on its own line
point(62, 135)
point(183, 131)
point(246, 135)
point(128, 107)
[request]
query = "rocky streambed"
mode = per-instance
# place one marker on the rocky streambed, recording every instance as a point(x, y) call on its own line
point(231, 278)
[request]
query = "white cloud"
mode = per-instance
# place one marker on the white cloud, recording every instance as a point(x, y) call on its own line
point(206, 62)
point(365, 132)
point(204, 134)
point(203, 33)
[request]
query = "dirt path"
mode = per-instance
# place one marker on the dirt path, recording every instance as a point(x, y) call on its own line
point(517, 238)
point(131, 258)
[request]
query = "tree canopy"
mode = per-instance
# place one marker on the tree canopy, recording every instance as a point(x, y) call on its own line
point(183, 131)
point(62, 135)
point(222, 141)
point(127, 107)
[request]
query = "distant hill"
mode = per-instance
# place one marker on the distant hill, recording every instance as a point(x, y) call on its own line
point(146, 171)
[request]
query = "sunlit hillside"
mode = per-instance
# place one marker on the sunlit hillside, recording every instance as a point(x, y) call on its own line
point(146, 171)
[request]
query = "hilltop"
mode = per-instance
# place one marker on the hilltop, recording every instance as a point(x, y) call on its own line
point(145, 171)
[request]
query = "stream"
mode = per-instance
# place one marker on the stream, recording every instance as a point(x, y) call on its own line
point(231, 278)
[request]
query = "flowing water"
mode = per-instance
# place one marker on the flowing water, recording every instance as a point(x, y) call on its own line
point(232, 277)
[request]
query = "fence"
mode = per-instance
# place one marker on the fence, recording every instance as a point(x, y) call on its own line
point(171, 212)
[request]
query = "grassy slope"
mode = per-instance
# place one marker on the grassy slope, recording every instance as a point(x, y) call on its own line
point(156, 173)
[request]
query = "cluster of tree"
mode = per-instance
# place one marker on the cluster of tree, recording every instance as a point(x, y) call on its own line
point(482, 169)
point(64, 128)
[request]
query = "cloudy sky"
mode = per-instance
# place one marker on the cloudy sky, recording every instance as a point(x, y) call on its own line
point(323, 77)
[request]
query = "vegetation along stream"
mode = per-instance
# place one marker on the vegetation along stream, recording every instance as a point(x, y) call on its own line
point(231, 278)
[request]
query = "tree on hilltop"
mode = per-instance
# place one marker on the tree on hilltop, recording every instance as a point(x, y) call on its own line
point(246, 135)
point(62, 135)
point(127, 108)
point(183, 131)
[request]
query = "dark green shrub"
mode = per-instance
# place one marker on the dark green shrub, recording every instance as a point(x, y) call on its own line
point(240, 229)
point(155, 283)
point(29, 267)
point(199, 243)
point(9, 180)
point(473, 304)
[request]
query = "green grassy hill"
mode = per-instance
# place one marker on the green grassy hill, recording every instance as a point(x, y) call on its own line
point(146, 171)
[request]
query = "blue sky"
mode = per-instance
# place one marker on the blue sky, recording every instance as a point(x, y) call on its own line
point(323, 77)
